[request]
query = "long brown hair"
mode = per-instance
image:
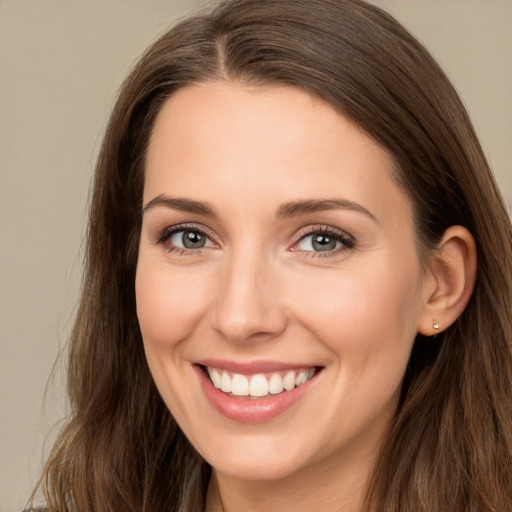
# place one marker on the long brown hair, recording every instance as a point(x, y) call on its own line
point(450, 445)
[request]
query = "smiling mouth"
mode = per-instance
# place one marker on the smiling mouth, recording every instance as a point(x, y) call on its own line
point(258, 385)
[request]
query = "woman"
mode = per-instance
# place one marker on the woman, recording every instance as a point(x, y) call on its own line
point(298, 279)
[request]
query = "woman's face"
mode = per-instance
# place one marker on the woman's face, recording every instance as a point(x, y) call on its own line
point(278, 261)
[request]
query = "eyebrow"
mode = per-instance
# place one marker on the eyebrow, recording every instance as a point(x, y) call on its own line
point(181, 204)
point(304, 207)
point(286, 210)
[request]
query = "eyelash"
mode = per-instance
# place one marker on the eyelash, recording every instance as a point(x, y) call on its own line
point(169, 232)
point(346, 241)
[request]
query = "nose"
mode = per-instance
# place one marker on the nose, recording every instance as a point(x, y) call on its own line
point(249, 305)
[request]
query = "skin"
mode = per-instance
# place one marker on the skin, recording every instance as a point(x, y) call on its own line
point(257, 291)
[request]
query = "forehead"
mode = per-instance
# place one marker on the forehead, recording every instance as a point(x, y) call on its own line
point(273, 141)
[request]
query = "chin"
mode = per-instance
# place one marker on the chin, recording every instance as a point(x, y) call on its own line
point(259, 461)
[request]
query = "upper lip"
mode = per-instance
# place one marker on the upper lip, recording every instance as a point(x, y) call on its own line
point(253, 367)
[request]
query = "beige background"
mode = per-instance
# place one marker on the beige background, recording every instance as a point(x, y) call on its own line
point(61, 62)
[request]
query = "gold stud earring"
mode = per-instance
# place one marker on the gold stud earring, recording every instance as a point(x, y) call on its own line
point(435, 325)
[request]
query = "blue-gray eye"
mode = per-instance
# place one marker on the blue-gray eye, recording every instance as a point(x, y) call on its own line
point(319, 242)
point(190, 239)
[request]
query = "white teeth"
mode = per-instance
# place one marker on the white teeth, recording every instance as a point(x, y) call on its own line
point(304, 376)
point(289, 381)
point(215, 376)
point(225, 383)
point(239, 385)
point(300, 379)
point(275, 384)
point(258, 385)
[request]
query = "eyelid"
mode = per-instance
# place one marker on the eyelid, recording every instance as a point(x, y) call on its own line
point(162, 236)
point(348, 241)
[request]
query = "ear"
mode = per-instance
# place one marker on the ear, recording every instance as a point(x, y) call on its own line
point(449, 281)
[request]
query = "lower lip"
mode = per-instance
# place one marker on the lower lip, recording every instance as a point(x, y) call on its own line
point(256, 410)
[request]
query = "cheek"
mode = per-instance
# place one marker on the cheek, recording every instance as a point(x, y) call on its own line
point(169, 308)
point(169, 304)
point(364, 312)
